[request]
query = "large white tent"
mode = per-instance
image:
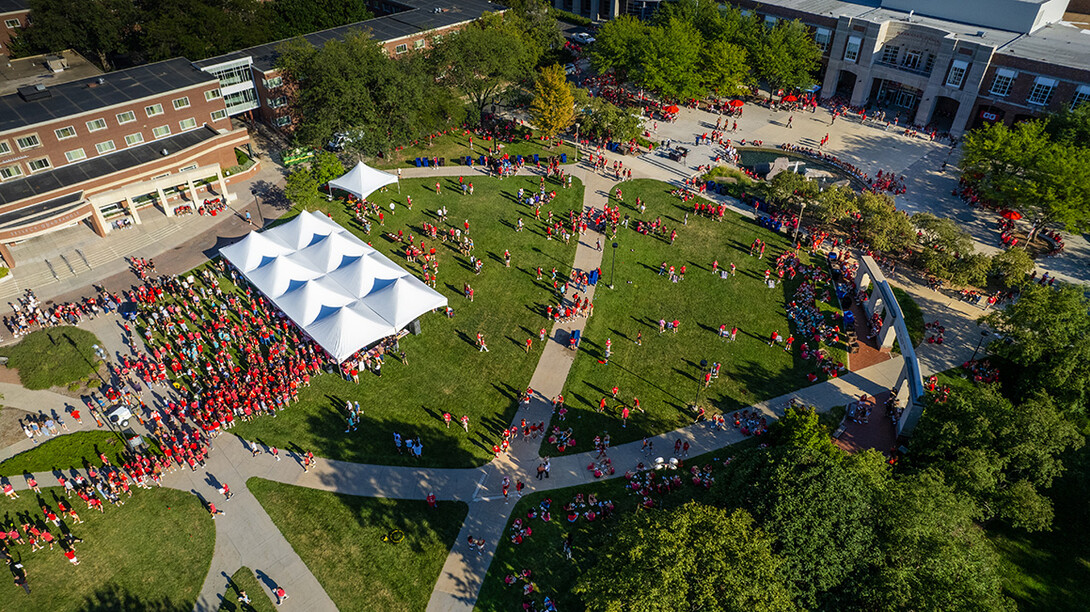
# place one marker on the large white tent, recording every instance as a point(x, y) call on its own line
point(363, 180)
point(343, 293)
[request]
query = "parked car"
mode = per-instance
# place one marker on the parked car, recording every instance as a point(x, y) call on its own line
point(583, 38)
point(569, 69)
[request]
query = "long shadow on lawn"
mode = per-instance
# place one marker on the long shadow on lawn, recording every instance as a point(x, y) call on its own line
point(111, 598)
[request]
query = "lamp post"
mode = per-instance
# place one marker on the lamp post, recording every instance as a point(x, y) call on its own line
point(613, 265)
point(799, 224)
point(983, 334)
point(257, 198)
point(699, 382)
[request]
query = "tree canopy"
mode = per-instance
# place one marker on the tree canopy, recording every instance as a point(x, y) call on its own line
point(481, 59)
point(695, 557)
point(552, 108)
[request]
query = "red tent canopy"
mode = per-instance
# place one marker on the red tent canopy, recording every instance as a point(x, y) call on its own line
point(790, 99)
point(672, 108)
point(737, 103)
point(1013, 215)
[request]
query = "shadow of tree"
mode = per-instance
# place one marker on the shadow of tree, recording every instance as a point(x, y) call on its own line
point(111, 598)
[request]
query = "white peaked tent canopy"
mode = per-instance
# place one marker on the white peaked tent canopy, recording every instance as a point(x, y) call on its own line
point(363, 180)
point(343, 293)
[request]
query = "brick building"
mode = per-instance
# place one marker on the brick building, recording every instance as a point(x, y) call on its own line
point(14, 14)
point(948, 65)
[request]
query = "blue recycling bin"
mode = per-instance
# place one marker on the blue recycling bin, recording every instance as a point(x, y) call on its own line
point(481, 160)
point(417, 162)
point(535, 159)
point(426, 161)
point(519, 158)
point(563, 158)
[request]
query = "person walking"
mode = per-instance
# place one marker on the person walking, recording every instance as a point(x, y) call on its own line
point(275, 453)
point(518, 487)
point(281, 595)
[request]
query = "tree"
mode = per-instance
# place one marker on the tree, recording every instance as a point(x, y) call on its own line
point(302, 188)
point(791, 188)
point(1071, 125)
point(1012, 265)
point(619, 45)
point(834, 203)
point(882, 225)
point(695, 557)
point(552, 108)
point(800, 428)
point(669, 60)
point(818, 509)
point(931, 554)
point(1024, 168)
point(478, 61)
point(723, 68)
point(326, 167)
point(1044, 334)
point(943, 244)
point(297, 17)
point(788, 56)
point(599, 118)
point(998, 454)
point(96, 28)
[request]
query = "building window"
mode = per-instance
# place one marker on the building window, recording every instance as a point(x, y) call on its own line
point(1082, 94)
point(126, 117)
point(134, 139)
point(28, 142)
point(75, 155)
point(211, 94)
point(277, 102)
point(1042, 91)
point(770, 21)
point(889, 54)
point(105, 147)
point(5, 148)
point(11, 172)
point(851, 50)
point(958, 69)
point(274, 82)
point(187, 124)
point(37, 165)
point(13, 23)
point(823, 36)
point(96, 125)
point(65, 132)
point(153, 110)
point(180, 103)
point(162, 130)
point(419, 44)
point(282, 121)
point(911, 60)
point(1004, 78)
point(402, 48)
point(219, 115)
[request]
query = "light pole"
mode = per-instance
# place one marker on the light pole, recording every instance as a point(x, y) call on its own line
point(613, 265)
point(983, 334)
point(257, 198)
point(799, 224)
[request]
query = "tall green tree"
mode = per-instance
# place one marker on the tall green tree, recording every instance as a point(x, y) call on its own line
point(599, 118)
point(670, 59)
point(833, 204)
point(788, 56)
point(943, 243)
point(479, 61)
point(1044, 334)
point(619, 45)
point(552, 108)
point(304, 16)
point(695, 557)
point(98, 29)
point(882, 225)
point(724, 68)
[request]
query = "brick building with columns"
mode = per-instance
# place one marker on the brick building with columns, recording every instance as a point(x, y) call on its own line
point(946, 65)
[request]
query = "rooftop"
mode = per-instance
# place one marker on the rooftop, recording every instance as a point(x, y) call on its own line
point(109, 89)
point(35, 70)
point(827, 8)
point(1056, 43)
point(422, 16)
point(14, 6)
point(102, 165)
point(966, 31)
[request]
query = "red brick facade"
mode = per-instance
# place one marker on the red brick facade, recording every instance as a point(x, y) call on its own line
point(10, 30)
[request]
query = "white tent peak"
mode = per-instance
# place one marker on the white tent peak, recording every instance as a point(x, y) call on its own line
point(363, 180)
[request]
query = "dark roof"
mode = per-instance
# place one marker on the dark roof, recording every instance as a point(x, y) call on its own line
point(88, 94)
point(419, 16)
point(1056, 43)
point(13, 6)
point(73, 174)
point(43, 211)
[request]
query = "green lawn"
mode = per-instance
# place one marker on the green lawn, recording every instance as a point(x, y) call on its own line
point(446, 372)
point(151, 554)
point(542, 552)
point(665, 372)
point(244, 580)
point(341, 538)
point(454, 146)
point(913, 315)
point(67, 451)
point(53, 357)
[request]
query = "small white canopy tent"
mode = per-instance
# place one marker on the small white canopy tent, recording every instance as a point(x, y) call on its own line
point(363, 180)
point(343, 293)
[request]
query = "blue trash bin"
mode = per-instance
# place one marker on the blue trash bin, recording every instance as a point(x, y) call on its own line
point(563, 158)
point(519, 158)
point(535, 159)
point(481, 160)
point(427, 161)
point(417, 162)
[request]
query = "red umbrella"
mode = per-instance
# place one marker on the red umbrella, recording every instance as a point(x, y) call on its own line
point(790, 99)
point(672, 108)
point(1013, 215)
point(737, 103)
